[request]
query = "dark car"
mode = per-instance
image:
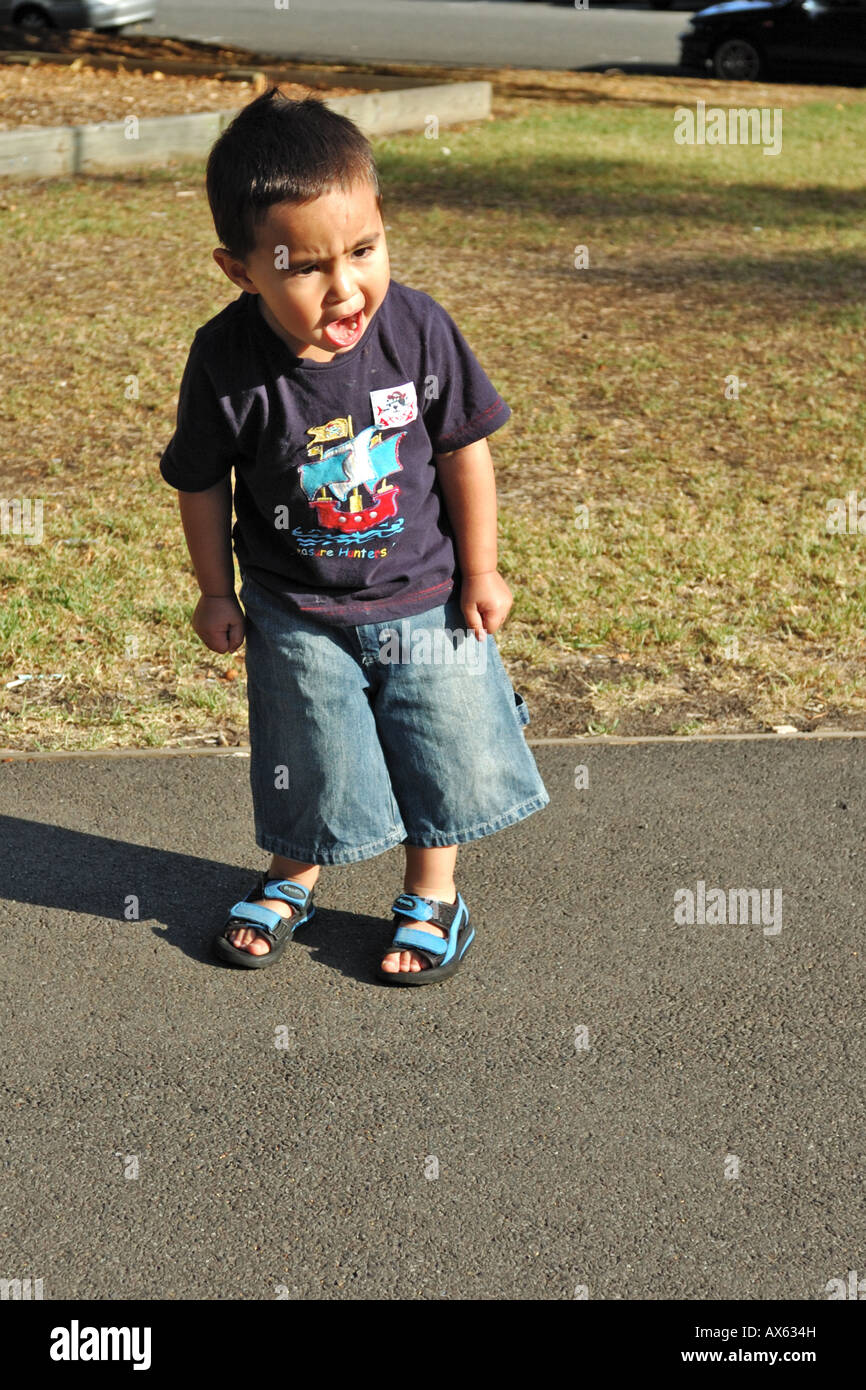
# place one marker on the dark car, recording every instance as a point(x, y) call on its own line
point(746, 39)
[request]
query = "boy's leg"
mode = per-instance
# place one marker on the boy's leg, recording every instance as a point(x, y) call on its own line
point(305, 874)
point(430, 874)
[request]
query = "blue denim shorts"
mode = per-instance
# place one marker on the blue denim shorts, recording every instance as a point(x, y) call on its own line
point(363, 737)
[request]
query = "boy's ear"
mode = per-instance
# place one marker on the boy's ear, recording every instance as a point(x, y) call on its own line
point(234, 269)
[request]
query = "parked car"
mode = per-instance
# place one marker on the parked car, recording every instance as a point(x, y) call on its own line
point(748, 39)
point(36, 15)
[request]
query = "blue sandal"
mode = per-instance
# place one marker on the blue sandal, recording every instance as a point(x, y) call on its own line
point(278, 930)
point(444, 954)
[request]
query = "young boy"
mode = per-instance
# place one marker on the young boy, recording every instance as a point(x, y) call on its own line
point(356, 419)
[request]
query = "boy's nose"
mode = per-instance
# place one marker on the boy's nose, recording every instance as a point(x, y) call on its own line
point(342, 287)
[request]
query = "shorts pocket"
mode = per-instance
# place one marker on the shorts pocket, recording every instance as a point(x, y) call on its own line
point(521, 709)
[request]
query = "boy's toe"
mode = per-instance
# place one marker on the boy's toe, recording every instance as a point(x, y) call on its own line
point(246, 939)
point(402, 962)
point(399, 962)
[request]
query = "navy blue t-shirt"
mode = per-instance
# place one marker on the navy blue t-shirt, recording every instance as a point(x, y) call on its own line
point(338, 504)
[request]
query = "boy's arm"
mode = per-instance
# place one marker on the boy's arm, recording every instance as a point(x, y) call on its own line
point(469, 488)
point(466, 479)
point(218, 618)
point(207, 525)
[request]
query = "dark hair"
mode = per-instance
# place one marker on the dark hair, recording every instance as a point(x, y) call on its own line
point(281, 151)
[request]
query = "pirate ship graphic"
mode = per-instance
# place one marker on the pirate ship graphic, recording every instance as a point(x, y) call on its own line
point(354, 471)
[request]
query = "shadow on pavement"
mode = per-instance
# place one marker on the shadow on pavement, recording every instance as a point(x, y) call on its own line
point(183, 900)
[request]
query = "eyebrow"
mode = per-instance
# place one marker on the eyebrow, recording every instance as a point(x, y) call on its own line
point(301, 257)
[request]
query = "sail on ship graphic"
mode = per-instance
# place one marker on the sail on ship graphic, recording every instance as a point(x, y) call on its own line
point(357, 464)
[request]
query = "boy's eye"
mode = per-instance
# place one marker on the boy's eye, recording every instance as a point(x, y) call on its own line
point(359, 251)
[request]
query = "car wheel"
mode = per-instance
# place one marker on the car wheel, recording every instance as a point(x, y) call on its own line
point(738, 60)
point(33, 20)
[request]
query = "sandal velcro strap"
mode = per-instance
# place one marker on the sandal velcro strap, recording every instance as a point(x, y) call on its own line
point(410, 938)
point(264, 919)
point(426, 910)
point(410, 905)
point(287, 889)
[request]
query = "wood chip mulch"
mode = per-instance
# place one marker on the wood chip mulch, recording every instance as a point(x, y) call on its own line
point(41, 93)
point(49, 95)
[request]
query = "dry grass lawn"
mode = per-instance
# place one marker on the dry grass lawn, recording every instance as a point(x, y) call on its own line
point(666, 543)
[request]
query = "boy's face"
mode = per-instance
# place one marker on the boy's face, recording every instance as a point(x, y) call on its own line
point(337, 266)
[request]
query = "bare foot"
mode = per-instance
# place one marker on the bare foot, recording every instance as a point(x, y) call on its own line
point(399, 961)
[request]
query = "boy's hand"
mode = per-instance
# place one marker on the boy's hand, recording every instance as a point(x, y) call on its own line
point(219, 622)
point(486, 601)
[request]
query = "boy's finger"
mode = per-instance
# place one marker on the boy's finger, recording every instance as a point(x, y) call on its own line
point(474, 620)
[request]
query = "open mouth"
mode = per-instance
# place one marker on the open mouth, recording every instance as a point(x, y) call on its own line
point(343, 333)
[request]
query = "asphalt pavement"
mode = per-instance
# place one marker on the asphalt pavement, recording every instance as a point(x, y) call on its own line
point(604, 1101)
point(498, 34)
